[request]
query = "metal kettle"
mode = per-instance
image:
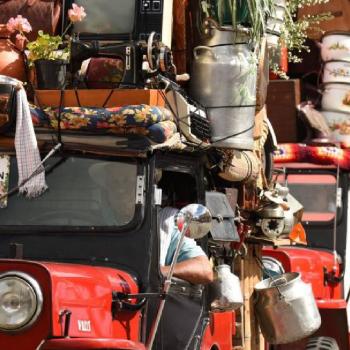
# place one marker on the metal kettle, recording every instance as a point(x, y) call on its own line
point(225, 290)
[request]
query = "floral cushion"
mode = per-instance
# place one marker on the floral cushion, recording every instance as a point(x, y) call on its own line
point(157, 123)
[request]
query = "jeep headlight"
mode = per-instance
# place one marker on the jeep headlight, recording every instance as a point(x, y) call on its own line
point(21, 301)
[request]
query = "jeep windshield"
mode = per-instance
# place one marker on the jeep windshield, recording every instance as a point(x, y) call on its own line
point(82, 193)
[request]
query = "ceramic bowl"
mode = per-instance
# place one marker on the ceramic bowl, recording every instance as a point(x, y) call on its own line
point(335, 46)
point(339, 123)
point(336, 72)
point(336, 97)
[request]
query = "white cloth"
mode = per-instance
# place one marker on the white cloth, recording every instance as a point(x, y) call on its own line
point(167, 226)
point(27, 151)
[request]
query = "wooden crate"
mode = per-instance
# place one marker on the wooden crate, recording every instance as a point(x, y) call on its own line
point(283, 96)
point(98, 97)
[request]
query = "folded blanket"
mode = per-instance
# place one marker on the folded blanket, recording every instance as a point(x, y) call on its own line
point(157, 123)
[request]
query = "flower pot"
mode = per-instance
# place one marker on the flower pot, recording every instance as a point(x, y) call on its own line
point(11, 59)
point(278, 55)
point(50, 74)
point(225, 18)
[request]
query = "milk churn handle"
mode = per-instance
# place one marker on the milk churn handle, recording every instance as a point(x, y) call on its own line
point(207, 48)
point(261, 265)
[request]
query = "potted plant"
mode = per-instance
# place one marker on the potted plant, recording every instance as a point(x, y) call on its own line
point(49, 54)
point(294, 33)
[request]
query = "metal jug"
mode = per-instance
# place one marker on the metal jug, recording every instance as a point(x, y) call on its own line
point(223, 79)
point(286, 308)
point(225, 290)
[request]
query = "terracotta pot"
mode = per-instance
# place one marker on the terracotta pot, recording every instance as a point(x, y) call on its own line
point(277, 55)
point(11, 59)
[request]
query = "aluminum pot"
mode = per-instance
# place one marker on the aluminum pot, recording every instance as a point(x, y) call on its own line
point(336, 72)
point(335, 46)
point(336, 97)
point(225, 291)
point(274, 25)
point(212, 36)
point(286, 308)
point(339, 123)
point(278, 13)
point(223, 79)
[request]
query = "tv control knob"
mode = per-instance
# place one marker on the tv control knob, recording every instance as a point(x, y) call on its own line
point(146, 5)
point(156, 5)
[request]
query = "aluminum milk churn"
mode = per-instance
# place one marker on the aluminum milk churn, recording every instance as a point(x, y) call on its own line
point(223, 79)
point(225, 290)
point(286, 308)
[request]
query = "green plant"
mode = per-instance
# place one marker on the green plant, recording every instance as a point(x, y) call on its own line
point(251, 14)
point(46, 47)
point(295, 31)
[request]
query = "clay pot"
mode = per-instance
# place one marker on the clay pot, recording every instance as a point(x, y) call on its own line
point(11, 59)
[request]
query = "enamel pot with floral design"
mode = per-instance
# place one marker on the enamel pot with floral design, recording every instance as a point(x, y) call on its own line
point(336, 72)
point(339, 124)
point(336, 97)
point(335, 46)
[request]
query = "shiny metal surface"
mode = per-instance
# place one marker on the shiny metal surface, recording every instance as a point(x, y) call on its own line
point(272, 211)
point(224, 35)
point(198, 218)
point(37, 291)
point(225, 291)
point(286, 308)
point(223, 79)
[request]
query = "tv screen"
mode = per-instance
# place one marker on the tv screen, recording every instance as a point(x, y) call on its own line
point(106, 17)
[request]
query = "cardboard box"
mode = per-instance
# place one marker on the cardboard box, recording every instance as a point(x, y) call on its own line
point(98, 97)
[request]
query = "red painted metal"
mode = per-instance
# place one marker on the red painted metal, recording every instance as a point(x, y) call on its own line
point(332, 304)
point(97, 344)
point(311, 264)
point(86, 291)
point(218, 332)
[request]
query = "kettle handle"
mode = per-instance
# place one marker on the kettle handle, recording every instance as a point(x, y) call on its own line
point(273, 282)
point(206, 48)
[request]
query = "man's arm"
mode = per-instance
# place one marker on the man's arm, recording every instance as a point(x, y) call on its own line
point(195, 270)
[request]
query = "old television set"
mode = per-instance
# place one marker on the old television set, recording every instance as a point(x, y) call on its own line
point(123, 20)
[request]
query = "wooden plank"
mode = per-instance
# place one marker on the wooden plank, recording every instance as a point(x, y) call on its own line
point(283, 96)
point(98, 97)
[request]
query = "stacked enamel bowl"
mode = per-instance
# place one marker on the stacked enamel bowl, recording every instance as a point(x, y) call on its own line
point(335, 52)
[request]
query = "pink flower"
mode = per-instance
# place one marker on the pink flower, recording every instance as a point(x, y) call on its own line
point(11, 25)
point(19, 24)
point(76, 13)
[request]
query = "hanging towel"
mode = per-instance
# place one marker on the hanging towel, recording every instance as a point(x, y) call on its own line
point(27, 151)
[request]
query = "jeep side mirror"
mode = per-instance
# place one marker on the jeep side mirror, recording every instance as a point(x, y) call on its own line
point(197, 218)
